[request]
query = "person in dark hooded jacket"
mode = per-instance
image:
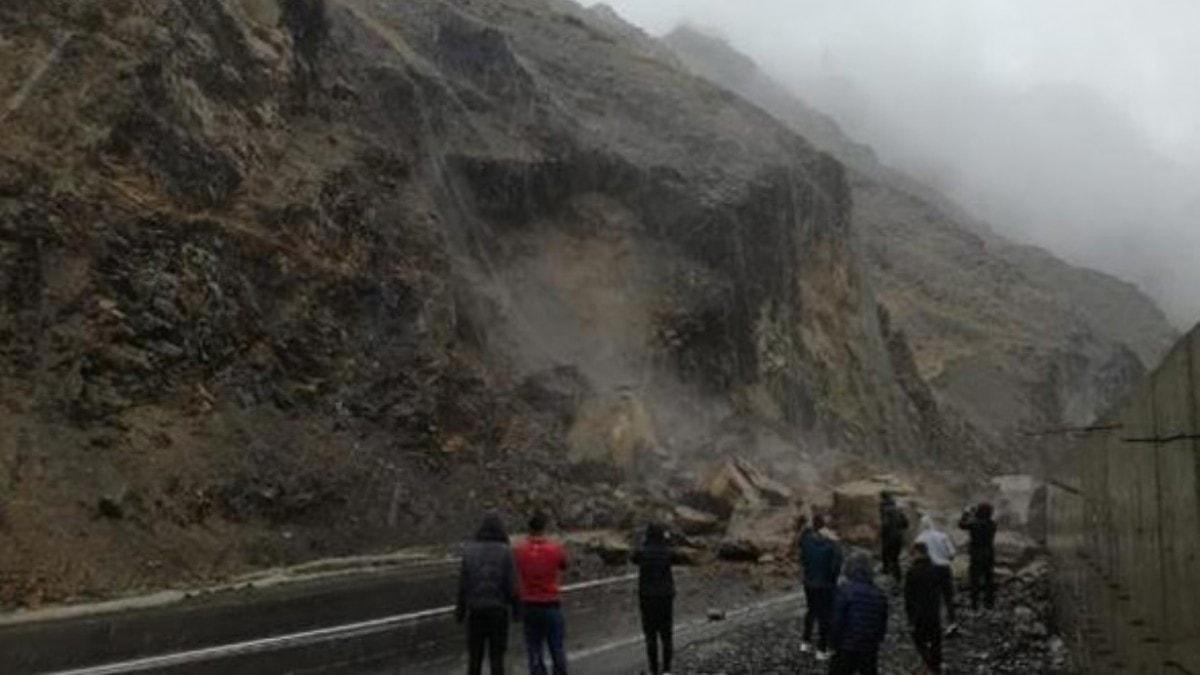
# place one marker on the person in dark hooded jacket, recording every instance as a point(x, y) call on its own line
point(922, 604)
point(860, 615)
point(982, 572)
point(892, 525)
point(656, 597)
point(821, 559)
point(487, 595)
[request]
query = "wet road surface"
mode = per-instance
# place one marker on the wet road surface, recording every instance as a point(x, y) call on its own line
point(396, 621)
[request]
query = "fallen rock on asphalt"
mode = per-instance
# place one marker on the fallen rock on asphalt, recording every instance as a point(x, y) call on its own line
point(768, 529)
point(694, 521)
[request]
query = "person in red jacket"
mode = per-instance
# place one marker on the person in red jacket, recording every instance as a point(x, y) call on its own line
point(540, 562)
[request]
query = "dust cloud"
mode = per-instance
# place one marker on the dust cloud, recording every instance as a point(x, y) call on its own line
point(1072, 125)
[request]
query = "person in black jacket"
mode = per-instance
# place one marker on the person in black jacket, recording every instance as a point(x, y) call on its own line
point(487, 594)
point(892, 525)
point(860, 615)
point(656, 596)
point(821, 558)
point(922, 604)
point(982, 530)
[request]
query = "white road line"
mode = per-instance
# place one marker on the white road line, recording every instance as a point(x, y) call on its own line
point(318, 635)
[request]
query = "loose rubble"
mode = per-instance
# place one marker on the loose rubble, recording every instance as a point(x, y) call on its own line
point(1016, 638)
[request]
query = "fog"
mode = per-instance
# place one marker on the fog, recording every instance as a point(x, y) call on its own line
point(1074, 125)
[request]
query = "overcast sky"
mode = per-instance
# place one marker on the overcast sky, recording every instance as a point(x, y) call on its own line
point(1073, 124)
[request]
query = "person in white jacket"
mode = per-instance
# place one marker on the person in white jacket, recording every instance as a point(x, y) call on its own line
point(941, 554)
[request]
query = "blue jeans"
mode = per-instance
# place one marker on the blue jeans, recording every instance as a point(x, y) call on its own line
point(545, 627)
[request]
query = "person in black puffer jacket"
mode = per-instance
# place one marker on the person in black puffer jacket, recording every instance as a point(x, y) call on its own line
point(982, 529)
point(860, 615)
point(487, 594)
point(923, 604)
point(656, 595)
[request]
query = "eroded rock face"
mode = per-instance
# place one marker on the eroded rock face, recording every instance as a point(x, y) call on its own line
point(992, 338)
point(358, 268)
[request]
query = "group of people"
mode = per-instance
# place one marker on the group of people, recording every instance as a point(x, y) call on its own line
point(500, 583)
point(851, 619)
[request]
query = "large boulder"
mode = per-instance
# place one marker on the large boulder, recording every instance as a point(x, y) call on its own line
point(694, 521)
point(856, 504)
point(866, 536)
point(1013, 497)
point(768, 529)
point(738, 482)
point(1015, 550)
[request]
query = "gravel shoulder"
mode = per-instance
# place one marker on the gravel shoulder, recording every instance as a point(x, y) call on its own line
point(1015, 638)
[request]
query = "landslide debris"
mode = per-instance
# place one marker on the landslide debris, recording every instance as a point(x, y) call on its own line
point(289, 280)
point(1018, 637)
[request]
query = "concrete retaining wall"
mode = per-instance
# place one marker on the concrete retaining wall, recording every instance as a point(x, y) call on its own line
point(1124, 528)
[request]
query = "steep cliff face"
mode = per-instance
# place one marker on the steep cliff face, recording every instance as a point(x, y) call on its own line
point(290, 279)
point(1009, 337)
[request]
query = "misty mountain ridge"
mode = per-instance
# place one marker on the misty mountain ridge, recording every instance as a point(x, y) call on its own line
point(1008, 334)
point(1049, 158)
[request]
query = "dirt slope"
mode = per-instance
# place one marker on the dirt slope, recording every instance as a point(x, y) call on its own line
point(294, 279)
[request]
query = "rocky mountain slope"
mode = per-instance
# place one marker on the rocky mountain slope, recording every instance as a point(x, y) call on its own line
point(294, 278)
point(1009, 337)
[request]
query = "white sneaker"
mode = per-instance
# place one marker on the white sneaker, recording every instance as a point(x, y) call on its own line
point(806, 648)
point(824, 656)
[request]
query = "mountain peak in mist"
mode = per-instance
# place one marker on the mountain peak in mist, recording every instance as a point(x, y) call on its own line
point(1008, 335)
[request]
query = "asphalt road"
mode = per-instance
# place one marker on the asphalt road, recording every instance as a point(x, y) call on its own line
point(396, 621)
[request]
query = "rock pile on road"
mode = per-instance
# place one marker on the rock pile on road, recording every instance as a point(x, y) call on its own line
point(1015, 638)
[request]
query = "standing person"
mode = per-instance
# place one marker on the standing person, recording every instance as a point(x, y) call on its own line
point(487, 594)
point(922, 604)
point(941, 555)
point(860, 615)
point(656, 597)
point(982, 529)
point(821, 558)
point(892, 525)
point(540, 562)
